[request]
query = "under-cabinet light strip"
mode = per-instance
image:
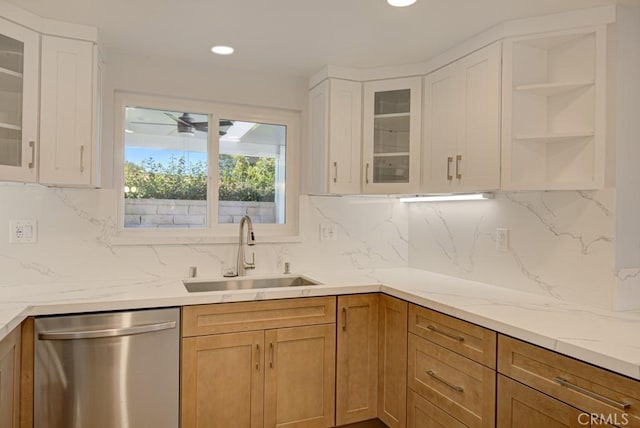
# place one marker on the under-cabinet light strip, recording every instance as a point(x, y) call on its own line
point(443, 198)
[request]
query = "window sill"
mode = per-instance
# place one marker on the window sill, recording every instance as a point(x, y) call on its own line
point(196, 240)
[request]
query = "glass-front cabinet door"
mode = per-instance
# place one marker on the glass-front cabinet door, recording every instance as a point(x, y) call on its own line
point(391, 136)
point(18, 102)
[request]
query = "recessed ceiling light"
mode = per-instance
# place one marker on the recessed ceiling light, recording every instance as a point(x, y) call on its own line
point(222, 50)
point(401, 3)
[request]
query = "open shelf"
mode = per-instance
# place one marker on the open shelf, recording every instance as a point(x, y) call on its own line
point(550, 89)
point(389, 155)
point(391, 115)
point(555, 136)
point(10, 126)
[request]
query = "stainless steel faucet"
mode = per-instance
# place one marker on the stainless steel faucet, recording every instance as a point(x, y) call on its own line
point(241, 264)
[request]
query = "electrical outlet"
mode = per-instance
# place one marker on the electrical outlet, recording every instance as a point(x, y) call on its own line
point(328, 232)
point(502, 239)
point(23, 231)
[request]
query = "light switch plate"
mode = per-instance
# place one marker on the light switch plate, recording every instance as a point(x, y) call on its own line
point(23, 231)
point(502, 239)
point(328, 232)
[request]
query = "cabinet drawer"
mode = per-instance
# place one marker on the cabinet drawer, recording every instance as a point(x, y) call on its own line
point(464, 338)
point(245, 316)
point(459, 386)
point(421, 413)
point(579, 384)
point(522, 407)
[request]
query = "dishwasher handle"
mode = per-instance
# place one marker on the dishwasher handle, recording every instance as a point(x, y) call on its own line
point(112, 332)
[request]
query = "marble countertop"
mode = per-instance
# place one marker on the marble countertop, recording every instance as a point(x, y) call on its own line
point(605, 338)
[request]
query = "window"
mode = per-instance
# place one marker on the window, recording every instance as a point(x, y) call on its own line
point(192, 169)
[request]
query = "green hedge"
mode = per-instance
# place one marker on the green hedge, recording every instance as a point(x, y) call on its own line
point(242, 178)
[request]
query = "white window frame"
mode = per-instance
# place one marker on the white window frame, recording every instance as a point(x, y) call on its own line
point(212, 232)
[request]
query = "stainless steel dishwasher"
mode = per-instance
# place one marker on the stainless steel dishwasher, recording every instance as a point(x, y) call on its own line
point(111, 370)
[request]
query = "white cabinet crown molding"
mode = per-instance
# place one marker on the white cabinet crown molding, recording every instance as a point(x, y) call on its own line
point(47, 26)
point(574, 19)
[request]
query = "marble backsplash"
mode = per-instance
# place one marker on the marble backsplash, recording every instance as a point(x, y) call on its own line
point(560, 243)
point(76, 230)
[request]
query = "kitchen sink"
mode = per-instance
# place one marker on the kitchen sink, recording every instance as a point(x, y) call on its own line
point(195, 286)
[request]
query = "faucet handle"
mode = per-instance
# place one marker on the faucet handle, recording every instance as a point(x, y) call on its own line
point(252, 264)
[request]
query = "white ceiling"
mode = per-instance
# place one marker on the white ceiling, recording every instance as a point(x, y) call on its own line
point(296, 37)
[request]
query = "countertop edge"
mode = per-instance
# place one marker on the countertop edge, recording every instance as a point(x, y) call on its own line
point(613, 364)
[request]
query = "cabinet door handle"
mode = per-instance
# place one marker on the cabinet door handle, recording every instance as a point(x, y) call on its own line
point(271, 355)
point(335, 172)
point(562, 381)
point(258, 356)
point(366, 173)
point(32, 146)
point(344, 319)
point(458, 160)
point(82, 158)
point(449, 176)
point(110, 332)
point(434, 329)
point(441, 380)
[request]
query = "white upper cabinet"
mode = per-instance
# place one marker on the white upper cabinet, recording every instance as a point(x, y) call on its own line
point(335, 108)
point(19, 57)
point(69, 100)
point(554, 111)
point(462, 124)
point(391, 136)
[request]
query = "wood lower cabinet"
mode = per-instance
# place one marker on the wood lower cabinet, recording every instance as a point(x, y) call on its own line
point(357, 358)
point(223, 380)
point(523, 407)
point(421, 413)
point(300, 376)
point(277, 377)
point(392, 362)
point(10, 380)
point(613, 398)
point(457, 385)
point(451, 376)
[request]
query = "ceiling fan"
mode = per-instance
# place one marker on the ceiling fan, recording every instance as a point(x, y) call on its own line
point(186, 125)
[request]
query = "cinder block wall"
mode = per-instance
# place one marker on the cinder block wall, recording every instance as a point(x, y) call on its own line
point(185, 214)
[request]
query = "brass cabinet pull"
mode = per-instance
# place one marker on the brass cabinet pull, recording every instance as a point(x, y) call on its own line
point(82, 158)
point(439, 379)
point(335, 172)
point(434, 329)
point(458, 160)
point(271, 354)
point(449, 176)
point(366, 173)
point(32, 145)
point(258, 356)
point(344, 319)
point(563, 382)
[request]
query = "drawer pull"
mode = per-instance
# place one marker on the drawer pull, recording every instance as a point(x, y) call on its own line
point(271, 355)
point(564, 382)
point(258, 356)
point(344, 319)
point(439, 379)
point(444, 333)
point(32, 146)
